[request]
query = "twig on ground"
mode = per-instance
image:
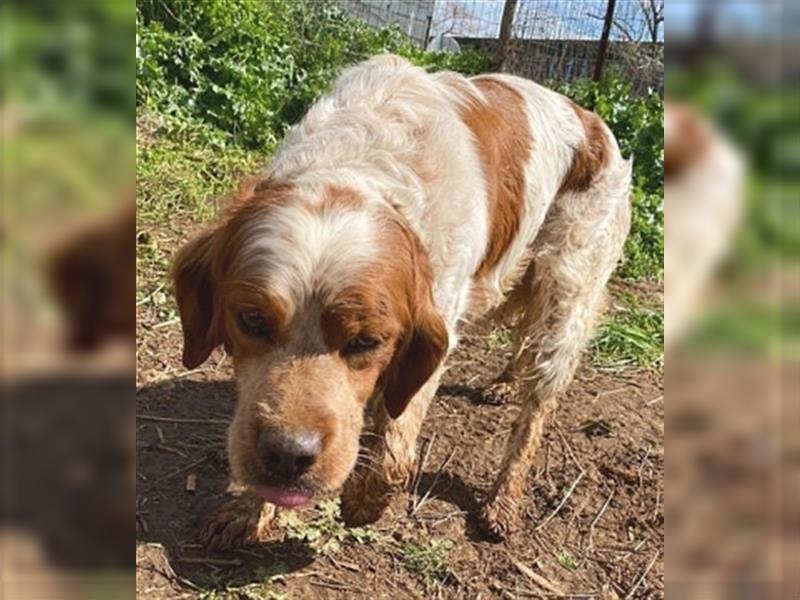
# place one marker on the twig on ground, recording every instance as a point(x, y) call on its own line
point(563, 501)
point(575, 515)
point(142, 417)
point(438, 474)
point(181, 470)
point(439, 520)
point(170, 449)
point(421, 467)
point(174, 376)
point(223, 562)
point(342, 564)
point(641, 467)
point(568, 448)
point(163, 324)
point(598, 515)
point(620, 473)
point(654, 400)
point(539, 580)
point(149, 297)
point(334, 585)
point(642, 576)
point(605, 393)
point(630, 551)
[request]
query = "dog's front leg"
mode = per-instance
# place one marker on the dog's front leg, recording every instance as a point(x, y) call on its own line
point(242, 520)
point(387, 459)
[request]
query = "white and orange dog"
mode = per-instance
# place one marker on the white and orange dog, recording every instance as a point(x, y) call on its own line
point(403, 203)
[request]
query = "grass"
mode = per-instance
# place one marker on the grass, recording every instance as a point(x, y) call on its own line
point(631, 336)
point(749, 327)
point(182, 169)
point(180, 175)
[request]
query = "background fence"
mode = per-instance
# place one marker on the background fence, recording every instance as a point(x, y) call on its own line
point(544, 40)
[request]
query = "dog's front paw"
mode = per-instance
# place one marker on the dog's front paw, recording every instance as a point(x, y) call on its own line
point(365, 497)
point(242, 521)
point(500, 392)
point(498, 518)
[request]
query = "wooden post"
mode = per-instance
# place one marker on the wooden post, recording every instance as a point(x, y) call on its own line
point(427, 39)
point(504, 40)
point(603, 48)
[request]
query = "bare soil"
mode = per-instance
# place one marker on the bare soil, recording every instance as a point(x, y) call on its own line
point(592, 525)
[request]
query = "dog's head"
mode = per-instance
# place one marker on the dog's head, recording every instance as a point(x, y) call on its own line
point(324, 300)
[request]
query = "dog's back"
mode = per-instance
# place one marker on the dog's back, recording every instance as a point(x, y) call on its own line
point(475, 165)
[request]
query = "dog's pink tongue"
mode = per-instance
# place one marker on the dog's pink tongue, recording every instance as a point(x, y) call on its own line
point(281, 497)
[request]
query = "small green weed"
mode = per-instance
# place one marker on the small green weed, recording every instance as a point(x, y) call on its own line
point(326, 533)
point(566, 560)
point(428, 560)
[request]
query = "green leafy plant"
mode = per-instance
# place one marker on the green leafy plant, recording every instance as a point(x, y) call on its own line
point(428, 560)
point(251, 69)
point(325, 534)
point(638, 125)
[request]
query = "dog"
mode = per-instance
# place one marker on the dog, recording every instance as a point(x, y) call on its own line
point(704, 179)
point(402, 204)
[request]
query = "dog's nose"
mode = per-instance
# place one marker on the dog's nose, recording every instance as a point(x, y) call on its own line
point(287, 455)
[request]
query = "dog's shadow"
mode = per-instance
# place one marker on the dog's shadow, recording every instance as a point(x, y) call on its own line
point(450, 488)
point(182, 475)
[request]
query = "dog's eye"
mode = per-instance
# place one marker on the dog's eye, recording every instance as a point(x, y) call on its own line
point(252, 322)
point(362, 343)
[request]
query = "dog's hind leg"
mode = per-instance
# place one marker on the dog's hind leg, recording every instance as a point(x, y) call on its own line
point(574, 256)
point(387, 458)
point(512, 313)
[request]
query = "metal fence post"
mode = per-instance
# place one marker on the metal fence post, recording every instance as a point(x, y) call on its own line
point(504, 40)
point(603, 48)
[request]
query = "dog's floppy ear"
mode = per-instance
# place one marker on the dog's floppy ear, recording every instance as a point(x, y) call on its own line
point(425, 345)
point(192, 273)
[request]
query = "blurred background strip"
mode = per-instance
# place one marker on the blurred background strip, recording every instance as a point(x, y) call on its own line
point(732, 298)
point(68, 301)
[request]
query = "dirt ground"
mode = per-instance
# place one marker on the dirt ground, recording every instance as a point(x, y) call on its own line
point(593, 520)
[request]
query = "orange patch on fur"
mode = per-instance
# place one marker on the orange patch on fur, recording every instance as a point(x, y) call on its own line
point(198, 267)
point(686, 142)
point(590, 156)
point(392, 302)
point(503, 136)
point(337, 196)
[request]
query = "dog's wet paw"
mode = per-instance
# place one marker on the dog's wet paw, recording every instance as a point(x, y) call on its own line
point(498, 518)
point(499, 393)
point(243, 521)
